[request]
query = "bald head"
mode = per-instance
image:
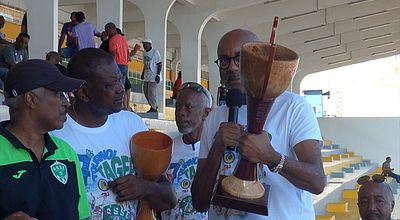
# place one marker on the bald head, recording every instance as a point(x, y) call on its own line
point(228, 53)
point(236, 38)
point(375, 201)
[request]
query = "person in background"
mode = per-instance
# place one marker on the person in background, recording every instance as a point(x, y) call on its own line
point(388, 171)
point(177, 84)
point(55, 58)
point(84, 32)
point(375, 198)
point(151, 74)
point(193, 103)
point(14, 53)
point(66, 31)
point(2, 35)
point(221, 95)
point(40, 174)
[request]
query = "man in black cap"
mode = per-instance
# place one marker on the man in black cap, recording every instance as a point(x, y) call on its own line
point(40, 175)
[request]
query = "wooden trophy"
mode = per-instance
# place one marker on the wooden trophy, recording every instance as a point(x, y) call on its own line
point(151, 155)
point(264, 79)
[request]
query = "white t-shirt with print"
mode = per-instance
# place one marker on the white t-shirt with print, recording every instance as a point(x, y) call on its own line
point(181, 172)
point(104, 155)
point(150, 60)
point(290, 121)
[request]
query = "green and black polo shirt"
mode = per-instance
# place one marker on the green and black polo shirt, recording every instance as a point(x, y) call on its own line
point(50, 189)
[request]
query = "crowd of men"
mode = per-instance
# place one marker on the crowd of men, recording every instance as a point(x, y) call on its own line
point(65, 150)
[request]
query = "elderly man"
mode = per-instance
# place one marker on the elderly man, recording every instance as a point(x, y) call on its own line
point(375, 198)
point(291, 160)
point(40, 175)
point(100, 133)
point(193, 103)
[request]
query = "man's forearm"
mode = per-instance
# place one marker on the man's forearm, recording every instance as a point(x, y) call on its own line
point(161, 195)
point(205, 179)
point(303, 175)
point(159, 67)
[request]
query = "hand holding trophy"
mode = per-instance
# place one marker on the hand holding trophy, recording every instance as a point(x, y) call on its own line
point(266, 72)
point(151, 154)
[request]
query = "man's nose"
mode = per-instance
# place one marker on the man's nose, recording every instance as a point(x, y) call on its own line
point(371, 206)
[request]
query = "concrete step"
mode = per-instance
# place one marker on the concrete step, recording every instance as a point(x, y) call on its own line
point(337, 207)
point(325, 217)
point(348, 169)
point(356, 166)
point(350, 194)
point(337, 174)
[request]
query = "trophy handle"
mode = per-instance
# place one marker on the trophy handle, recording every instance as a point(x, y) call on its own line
point(145, 212)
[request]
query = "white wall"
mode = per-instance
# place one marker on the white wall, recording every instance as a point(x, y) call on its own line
point(372, 138)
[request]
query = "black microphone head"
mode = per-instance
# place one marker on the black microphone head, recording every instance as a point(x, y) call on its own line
point(234, 97)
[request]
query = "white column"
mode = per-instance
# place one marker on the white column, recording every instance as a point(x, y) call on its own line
point(155, 17)
point(109, 11)
point(42, 27)
point(212, 33)
point(191, 54)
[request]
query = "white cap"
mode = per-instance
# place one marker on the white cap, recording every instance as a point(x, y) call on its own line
point(147, 40)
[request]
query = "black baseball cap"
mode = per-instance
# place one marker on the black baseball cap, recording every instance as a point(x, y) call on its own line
point(32, 74)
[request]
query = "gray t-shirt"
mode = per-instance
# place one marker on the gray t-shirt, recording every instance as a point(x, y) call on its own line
point(10, 55)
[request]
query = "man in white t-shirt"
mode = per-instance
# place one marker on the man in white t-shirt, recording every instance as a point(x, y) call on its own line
point(100, 133)
point(193, 103)
point(151, 74)
point(290, 162)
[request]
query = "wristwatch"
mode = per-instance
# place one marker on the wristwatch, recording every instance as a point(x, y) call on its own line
point(279, 167)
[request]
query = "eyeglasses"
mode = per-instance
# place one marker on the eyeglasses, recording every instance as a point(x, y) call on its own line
point(376, 178)
point(198, 88)
point(223, 62)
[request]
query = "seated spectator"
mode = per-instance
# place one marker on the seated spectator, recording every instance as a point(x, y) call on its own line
point(177, 84)
point(13, 54)
point(375, 198)
point(66, 31)
point(55, 59)
point(2, 35)
point(388, 171)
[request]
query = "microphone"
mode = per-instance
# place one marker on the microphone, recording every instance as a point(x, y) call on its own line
point(234, 100)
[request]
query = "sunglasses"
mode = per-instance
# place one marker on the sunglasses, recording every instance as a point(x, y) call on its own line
point(198, 88)
point(376, 178)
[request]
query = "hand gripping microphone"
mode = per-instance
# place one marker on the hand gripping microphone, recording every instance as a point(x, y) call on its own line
point(234, 100)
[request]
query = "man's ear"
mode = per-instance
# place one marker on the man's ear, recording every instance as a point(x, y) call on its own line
point(206, 112)
point(82, 93)
point(31, 100)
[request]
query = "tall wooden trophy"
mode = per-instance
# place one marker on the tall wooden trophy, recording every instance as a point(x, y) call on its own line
point(266, 72)
point(151, 154)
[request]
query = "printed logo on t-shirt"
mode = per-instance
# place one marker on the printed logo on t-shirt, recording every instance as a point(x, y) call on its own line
point(98, 169)
point(182, 174)
point(60, 172)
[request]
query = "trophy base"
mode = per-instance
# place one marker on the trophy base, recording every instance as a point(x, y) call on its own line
point(257, 206)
